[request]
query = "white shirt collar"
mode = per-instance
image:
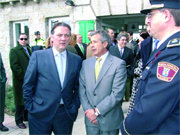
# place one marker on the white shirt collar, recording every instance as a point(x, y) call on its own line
point(103, 57)
point(120, 49)
point(55, 52)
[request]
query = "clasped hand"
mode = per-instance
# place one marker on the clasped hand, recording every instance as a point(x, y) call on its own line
point(91, 116)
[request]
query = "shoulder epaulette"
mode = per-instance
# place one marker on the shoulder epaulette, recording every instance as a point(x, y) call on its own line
point(174, 42)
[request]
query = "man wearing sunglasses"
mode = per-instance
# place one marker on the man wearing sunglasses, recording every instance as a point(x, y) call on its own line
point(157, 109)
point(19, 59)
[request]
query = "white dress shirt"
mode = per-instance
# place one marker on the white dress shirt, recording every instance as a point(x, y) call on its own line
point(103, 58)
point(57, 57)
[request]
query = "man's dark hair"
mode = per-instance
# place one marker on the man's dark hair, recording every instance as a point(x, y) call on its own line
point(90, 30)
point(22, 34)
point(175, 13)
point(60, 24)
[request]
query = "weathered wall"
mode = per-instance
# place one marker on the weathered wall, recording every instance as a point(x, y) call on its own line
point(38, 13)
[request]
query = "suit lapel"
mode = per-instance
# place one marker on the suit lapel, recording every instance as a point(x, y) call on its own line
point(92, 75)
point(124, 53)
point(116, 49)
point(78, 50)
point(53, 67)
point(22, 49)
point(69, 68)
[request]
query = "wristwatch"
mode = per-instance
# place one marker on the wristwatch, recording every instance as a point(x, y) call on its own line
point(96, 113)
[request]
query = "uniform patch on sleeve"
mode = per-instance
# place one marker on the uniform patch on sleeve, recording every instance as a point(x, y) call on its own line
point(174, 42)
point(166, 71)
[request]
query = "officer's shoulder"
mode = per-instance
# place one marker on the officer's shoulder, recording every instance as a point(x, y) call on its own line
point(175, 42)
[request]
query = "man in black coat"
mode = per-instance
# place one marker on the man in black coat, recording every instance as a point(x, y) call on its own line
point(80, 47)
point(19, 59)
point(123, 52)
point(2, 94)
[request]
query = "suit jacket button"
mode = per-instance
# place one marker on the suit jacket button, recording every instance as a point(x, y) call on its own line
point(94, 94)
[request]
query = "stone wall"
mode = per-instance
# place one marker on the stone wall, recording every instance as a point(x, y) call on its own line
point(35, 14)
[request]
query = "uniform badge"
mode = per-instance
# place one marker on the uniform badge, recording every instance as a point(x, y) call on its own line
point(166, 71)
point(174, 42)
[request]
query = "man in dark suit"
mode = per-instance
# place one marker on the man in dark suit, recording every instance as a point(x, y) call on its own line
point(145, 51)
point(148, 45)
point(19, 59)
point(80, 47)
point(112, 36)
point(3, 80)
point(102, 86)
point(123, 52)
point(51, 86)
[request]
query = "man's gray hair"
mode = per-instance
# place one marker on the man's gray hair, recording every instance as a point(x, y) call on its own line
point(104, 36)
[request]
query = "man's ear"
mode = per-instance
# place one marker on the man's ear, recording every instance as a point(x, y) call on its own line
point(167, 15)
point(105, 44)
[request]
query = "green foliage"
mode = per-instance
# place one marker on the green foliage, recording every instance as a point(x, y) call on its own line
point(9, 105)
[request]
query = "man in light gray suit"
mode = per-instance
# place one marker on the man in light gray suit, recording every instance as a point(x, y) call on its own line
point(101, 98)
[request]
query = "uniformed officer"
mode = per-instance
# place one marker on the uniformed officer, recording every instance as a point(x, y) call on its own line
point(157, 104)
point(38, 43)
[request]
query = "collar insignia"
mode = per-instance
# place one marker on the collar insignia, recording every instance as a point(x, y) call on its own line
point(174, 42)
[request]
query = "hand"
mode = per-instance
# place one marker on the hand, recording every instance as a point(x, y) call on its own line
point(94, 122)
point(91, 116)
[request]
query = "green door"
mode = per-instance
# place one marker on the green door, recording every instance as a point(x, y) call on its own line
point(84, 27)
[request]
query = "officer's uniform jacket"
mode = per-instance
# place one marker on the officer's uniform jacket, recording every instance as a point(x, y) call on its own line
point(157, 103)
point(38, 44)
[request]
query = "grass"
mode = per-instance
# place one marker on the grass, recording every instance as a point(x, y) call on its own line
point(9, 104)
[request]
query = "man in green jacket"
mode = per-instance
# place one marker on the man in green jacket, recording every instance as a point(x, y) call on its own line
point(19, 59)
point(2, 94)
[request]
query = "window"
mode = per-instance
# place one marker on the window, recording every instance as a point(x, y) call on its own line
point(53, 21)
point(19, 27)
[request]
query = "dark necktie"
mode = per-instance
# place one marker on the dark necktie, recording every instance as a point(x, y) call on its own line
point(121, 52)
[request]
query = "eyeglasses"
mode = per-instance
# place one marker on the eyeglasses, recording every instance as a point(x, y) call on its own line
point(23, 39)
